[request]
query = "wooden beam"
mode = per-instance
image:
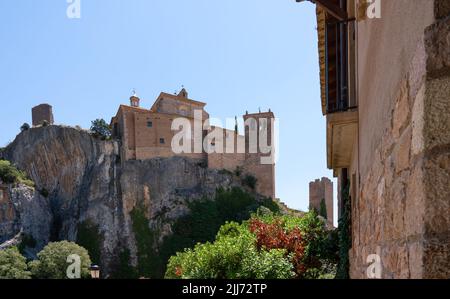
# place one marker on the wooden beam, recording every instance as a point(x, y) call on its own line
point(331, 8)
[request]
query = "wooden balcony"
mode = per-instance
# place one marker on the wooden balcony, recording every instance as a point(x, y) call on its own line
point(342, 133)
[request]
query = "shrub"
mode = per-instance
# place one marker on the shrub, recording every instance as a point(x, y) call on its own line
point(249, 181)
point(238, 171)
point(232, 256)
point(101, 129)
point(10, 174)
point(268, 246)
point(13, 265)
point(45, 123)
point(52, 261)
point(25, 127)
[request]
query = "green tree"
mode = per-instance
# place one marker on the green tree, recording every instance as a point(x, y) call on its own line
point(52, 261)
point(101, 129)
point(13, 265)
point(323, 209)
point(25, 127)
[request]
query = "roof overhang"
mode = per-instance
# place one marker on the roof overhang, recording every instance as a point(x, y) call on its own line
point(330, 7)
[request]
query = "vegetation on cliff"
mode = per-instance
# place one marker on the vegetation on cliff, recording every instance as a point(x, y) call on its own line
point(101, 129)
point(89, 237)
point(149, 262)
point(200, 225)
point(10, 174)
point(264, 247)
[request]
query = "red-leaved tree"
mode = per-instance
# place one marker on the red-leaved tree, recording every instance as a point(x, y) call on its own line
point(274, 236)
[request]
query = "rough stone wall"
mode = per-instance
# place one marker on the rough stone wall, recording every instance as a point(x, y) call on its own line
point(24, 212)
point(7, 214)
point(264, 173)
point(42, 113)
point(230, 156)
point(403, 212)
point(322, 189)
point(139, 141)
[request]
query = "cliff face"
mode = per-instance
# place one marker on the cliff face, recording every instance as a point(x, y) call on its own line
point(81, 183)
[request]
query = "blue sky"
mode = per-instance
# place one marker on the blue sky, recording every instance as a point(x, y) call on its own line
point(235, 55)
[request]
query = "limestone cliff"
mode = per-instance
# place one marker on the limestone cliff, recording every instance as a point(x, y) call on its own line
point(81, 184)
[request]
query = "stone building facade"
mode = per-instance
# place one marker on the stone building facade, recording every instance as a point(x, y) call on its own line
point(42, 113)
point(386, 97)
point(322, 189)
point(147, 133)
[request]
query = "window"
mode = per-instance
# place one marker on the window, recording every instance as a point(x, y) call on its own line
point(336, 64)
point(162, 141)
point(149, 124)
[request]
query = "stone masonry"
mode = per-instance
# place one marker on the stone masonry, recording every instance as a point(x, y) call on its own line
point(403, 212)
point(41, 113)
point(322, 189)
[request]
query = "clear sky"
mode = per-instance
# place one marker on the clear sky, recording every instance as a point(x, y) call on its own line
point(236, 55)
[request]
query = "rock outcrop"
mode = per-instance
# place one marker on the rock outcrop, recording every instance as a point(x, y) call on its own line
point(81, 180)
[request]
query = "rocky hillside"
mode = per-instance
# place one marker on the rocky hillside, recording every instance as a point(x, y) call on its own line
point(122, 212)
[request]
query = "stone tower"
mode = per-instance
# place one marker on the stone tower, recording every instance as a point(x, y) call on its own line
point(41, 113)
point(258, 159)
point(134, 101)
point(322, 190)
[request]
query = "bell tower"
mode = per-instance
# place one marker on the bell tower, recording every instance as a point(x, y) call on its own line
point(134, 100)
point(260, 150)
